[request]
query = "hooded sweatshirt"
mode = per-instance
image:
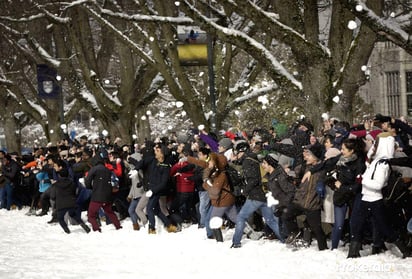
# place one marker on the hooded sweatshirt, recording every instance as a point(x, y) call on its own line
point(377, 173)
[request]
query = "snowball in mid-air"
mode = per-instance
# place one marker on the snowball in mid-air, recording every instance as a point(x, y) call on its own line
point(359, 8)
point(352, 24)
point(336, 99)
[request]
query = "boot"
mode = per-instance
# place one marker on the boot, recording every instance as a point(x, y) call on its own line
point(136, 227)
point(171, 228)
point(85, 227)
point(406, 252)
point(218, 235)
point(378, 249)
point(152, 231)
point(354, 248)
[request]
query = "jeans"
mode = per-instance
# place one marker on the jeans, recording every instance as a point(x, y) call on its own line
point(132, 210)
point(7, 196)
point(153, 208)
point(203, 207)
point(247, 209)
point(229, 211)
point(340, 213)
point(2, 191)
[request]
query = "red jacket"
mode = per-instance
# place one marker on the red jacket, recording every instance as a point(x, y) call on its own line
point(183, 184)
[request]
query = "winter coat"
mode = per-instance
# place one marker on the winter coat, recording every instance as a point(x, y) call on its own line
point(44, 180)
point(281, 187)
point(158, 180)
point(349, 176)
point(183, 184)
point(251, 172)
point(219, 191)
point(377, 173)
point(64, 193)
point(306, 196)
point(99, 180)
point(11, 172)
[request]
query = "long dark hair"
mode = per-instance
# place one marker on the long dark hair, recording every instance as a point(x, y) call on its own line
point(357, 145)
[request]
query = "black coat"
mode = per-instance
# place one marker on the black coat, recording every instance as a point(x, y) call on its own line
point(347, 174)
point(99, 180)
point(158, 180)
point(64, 193)
point(281, 186)
point(251, 171)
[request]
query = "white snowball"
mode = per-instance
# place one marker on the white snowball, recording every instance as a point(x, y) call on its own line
point(352, 25)
point(359, 8)
point(336, 99)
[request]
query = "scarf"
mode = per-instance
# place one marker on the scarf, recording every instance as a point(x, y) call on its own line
point(344, 160)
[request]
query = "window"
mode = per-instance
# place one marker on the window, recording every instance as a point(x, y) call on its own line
point(409, 104)
point(408, 82)
point(392, 81)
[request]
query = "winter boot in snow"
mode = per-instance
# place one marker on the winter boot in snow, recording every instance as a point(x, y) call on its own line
point(406, 252)
point(354, 248)
point(378, 249)
point(218, 235)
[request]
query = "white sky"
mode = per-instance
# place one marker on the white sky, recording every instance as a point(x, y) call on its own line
point(31, 248)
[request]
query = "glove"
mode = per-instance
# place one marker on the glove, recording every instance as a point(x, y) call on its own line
point(320, 190)
point(271, 201)
point(132, 173)
point(183, 159)
point(118, 160)
point(149, 193)
point(381, 118)
point(81, 181)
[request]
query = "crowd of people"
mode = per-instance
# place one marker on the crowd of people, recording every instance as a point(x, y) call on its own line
point(350, 184)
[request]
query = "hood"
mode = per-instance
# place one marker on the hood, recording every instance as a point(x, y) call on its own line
point(220, 159)
point(385, 148)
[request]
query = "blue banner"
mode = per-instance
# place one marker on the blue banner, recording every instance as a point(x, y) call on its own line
point(47, 84)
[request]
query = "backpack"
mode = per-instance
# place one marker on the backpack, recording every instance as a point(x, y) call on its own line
point(396, 188)
point(235, 179)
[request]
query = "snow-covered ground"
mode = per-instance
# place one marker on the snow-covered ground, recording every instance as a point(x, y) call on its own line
point(31, 248)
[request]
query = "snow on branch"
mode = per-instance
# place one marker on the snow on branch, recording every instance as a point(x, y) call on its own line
point(121, 36)
point(6, 82)
point(23, 19)
point(261, 53)
point(148, 18)
point(44, 54)
point(253, 93)
point(389, 27)
point(38, 108)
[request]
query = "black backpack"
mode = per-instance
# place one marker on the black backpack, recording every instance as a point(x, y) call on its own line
point(235, 179)
point(396, 188)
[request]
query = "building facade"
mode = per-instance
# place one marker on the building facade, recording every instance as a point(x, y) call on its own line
point(389, 89)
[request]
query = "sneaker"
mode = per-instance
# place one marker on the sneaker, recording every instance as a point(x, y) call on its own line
point(136, 227)
point(171, 228)
point(292, 237)
point(236, 245)
point(152, 231)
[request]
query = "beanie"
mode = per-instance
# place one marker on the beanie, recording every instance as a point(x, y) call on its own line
point(272, 159)
point(226, 143)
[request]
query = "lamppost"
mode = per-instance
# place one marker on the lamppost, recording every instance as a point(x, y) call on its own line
point(211, 75)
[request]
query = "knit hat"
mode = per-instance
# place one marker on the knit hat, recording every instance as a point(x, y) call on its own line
point(272, 159)
point(315, 149)
point(226, 143)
